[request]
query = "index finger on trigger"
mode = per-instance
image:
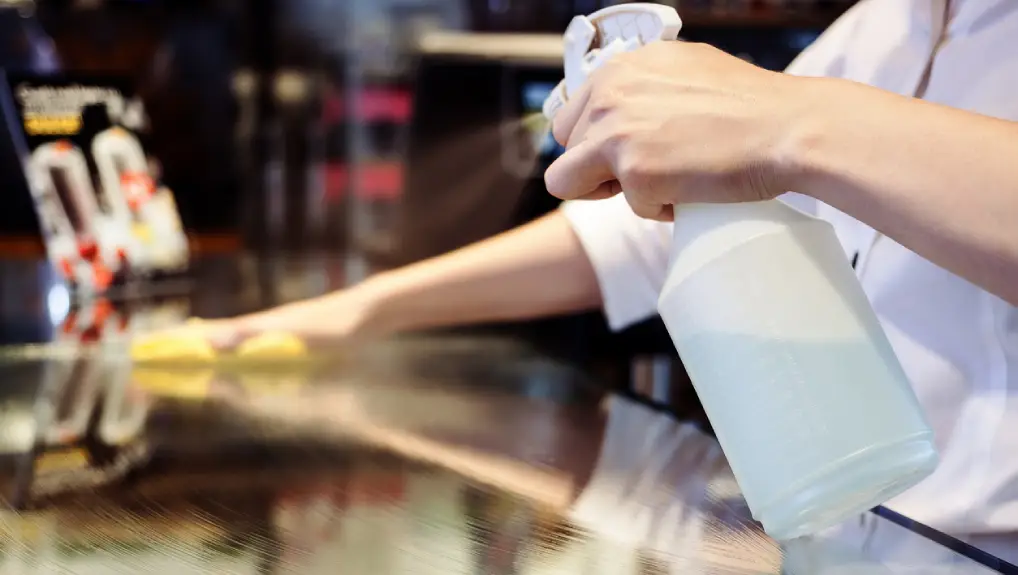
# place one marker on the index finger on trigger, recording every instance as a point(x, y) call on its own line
point(567, 117)
point(578, 173)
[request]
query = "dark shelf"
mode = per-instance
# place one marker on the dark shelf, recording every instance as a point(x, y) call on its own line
point(812, 19)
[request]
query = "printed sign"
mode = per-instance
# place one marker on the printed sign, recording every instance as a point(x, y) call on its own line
point(105, 217)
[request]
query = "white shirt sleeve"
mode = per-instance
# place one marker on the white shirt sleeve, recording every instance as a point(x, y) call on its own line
point(630, 254)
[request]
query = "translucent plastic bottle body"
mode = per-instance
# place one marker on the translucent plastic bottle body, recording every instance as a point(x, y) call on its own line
point(807, 398)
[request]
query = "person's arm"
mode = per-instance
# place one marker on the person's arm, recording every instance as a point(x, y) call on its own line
point(940, 181)
point(539, 269)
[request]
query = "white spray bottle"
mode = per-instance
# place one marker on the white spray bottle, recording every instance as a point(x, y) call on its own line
point(807, 398)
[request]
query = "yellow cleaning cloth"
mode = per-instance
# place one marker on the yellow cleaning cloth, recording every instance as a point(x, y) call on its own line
point(189, 344)
point(179, 345)
point(193, 385)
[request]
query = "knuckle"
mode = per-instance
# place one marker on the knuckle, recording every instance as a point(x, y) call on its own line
point(633, 171)
point(604, 95)
point(615, 139)
point(601, 107)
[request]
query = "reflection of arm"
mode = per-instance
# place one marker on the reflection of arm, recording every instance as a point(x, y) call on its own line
point(536, 270)
point(545, 486)
point(940, 181)
point(342, 413)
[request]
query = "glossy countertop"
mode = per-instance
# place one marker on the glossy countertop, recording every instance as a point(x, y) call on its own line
point(424, 454)
point(416, 455)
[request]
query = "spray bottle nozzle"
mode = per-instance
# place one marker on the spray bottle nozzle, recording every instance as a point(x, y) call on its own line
point(591, 40)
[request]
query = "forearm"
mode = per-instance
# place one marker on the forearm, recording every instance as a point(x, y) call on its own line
point(940, 181)
point(537, 270)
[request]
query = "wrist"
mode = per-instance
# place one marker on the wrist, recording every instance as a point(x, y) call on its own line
point(801, 159)
point(374, 300)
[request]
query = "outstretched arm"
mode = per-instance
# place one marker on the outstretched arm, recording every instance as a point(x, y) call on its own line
point(537, 270)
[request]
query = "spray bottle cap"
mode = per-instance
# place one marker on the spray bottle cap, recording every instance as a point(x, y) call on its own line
point(592, 40)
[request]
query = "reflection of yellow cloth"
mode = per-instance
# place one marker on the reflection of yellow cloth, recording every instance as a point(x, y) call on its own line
point(62, 460)
point(269, 384)
point(179, 384)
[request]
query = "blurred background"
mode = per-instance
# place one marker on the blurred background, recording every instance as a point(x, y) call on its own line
point(289, 124)
point(310, 143)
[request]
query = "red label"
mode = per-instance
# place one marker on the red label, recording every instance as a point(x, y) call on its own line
point(382, 104)
point(138, 188)
point(336, 181)
point(371, 105)
point(383, 181)
point(88, 250)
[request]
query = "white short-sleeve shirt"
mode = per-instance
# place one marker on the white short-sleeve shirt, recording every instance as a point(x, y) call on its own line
point(958, 343)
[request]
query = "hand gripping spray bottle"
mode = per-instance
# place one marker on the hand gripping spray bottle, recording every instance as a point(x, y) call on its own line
point(810, 405)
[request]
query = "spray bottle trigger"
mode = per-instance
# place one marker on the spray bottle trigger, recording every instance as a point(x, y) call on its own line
point(616, 46)
point(555, 100)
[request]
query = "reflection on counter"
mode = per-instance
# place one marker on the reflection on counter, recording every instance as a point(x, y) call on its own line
point(423, 455)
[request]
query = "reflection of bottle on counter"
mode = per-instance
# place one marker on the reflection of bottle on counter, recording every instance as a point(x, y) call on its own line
point(95, 333)
point(77, 385)
point(91, 426)
point(124, 408)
